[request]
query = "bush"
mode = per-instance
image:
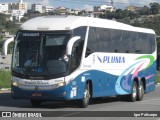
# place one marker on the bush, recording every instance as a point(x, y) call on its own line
point(5, 77)
point(158, 77)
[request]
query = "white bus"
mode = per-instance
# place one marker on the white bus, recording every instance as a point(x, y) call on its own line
point(80, 58)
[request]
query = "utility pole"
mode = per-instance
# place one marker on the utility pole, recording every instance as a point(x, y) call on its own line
point(112, 3)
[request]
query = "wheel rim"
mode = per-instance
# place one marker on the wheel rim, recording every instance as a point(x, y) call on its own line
point(86, 95)
point(134, 92)
point(141, 91)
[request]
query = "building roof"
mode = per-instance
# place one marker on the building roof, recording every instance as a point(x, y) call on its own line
point(61, 8)
point(70, 22)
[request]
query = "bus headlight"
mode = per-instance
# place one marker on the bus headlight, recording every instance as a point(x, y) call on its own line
point(60, 84)
point(14, 83)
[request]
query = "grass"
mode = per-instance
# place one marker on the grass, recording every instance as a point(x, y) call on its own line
point(5, 77)
point(158, 77)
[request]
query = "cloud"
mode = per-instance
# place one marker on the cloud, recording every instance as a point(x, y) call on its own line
point(88, 7)
point(45, 2)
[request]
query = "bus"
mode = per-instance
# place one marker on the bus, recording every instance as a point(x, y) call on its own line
point(75, 58)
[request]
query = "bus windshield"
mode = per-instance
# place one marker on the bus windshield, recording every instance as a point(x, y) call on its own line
point(37, 53)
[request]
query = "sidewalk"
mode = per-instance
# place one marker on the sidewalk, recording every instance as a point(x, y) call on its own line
point(5, 90)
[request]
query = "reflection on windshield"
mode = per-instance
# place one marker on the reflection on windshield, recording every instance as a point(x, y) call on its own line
point(40, 54)
point(32, 60)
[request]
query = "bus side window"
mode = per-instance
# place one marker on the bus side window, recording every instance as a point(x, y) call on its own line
point(76, 55)
point(91, 44)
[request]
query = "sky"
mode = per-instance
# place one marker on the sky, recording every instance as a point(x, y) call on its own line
point(85, 4)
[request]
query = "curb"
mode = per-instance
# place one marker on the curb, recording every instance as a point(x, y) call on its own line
point(5, 90)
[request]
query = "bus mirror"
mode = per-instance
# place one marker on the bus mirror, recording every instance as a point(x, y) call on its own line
point(70, 44)
point(5, 45)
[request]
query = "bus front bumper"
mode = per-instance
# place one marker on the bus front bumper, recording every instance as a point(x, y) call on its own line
point(53, 94)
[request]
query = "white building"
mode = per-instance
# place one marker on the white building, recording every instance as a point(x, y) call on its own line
point(17, 15)
point(4, 8)
point(49, 8)
point(103, 8)
point(74, 12)
point(37, 7)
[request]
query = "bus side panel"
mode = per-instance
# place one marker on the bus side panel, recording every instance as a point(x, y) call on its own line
point(150, 76)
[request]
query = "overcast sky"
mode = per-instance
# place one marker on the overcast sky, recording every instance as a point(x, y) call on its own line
point(85, 4)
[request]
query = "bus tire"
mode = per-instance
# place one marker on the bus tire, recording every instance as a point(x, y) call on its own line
point(133, 95)
point(140, 92)
point(35, 102)
point(86, 97)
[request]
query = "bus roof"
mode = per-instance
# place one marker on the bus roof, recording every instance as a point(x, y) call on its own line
point(49, 23)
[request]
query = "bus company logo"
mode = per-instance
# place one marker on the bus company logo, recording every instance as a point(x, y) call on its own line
point(111, 59)
point(36, 83)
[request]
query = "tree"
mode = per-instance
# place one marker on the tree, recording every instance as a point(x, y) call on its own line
point(9, 24)
point(144, 11)
point(155, 8)
point(126, 13)
point(24, 19)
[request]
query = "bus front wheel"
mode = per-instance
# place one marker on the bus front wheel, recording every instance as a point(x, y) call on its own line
point(86, 97)
point(35, 102)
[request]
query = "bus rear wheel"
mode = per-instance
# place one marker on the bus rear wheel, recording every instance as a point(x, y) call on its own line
point(86, 97)
point(35, 102)
point(140, 91)
point(133, 95)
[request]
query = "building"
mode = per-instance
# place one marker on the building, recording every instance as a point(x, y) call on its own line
point(49, 9)
point(22, 6)
point(18, 6)
point(37, 7)
point(132, 8)
point(4, 8)
point(62, 10)
point(17, 15)
point(101, 9)
point(5, 62)
point(12, 6)
point(5, 33)
point(17, 10)
point(74, 12)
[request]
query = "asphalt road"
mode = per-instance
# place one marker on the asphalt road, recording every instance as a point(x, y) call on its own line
point(151, 102)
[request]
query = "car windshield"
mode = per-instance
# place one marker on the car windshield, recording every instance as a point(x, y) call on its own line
point(38, 53)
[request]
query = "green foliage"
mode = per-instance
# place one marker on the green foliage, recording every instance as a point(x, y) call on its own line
point(152, 25)
point(155, 8)
point(10, 48)
point(24, 19)
point(144, 11)
point(6, 24)
point(5, 77)
point(158, 77)
point(121, 14)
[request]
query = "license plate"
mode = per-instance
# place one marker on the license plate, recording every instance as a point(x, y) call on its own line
point(36, 94)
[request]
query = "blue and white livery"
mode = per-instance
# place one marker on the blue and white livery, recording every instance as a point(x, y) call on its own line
point(104, 58)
